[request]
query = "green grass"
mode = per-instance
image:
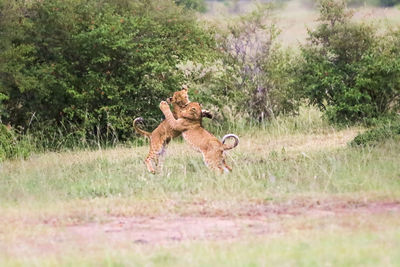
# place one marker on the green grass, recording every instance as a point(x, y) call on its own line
point(258, 172)
point(289, 160)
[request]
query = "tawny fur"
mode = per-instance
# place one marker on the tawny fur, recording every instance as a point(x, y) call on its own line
point(190, 124)
point(162, 135)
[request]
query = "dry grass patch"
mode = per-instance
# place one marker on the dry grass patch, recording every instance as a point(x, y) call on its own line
point(299, 142)
point(32, 239)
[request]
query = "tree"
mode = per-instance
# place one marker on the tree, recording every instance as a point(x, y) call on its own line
point(88, 67)
point(255, 75)
point(348, 69)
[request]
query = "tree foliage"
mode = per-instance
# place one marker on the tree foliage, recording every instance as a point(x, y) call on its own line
point(349, 70)
point(89, 67)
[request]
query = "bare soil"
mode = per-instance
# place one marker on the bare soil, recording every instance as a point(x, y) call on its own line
point(255, 220)
point(252, 220)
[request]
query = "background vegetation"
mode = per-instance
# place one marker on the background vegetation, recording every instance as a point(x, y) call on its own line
point(349, 69)
point(81, 70)
point(75, 73)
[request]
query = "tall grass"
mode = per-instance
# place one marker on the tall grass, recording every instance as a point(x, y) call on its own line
point(308, 120)
point(288, 156)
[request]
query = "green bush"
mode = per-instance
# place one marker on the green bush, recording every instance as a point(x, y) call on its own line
point(349, 70)
point(386, 130)
point(88, 67)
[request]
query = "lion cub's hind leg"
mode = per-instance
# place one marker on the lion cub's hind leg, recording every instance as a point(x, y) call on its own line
point(222, 165)
point(155, 159)
point(213, 160)
point(226, 167)
point(161, 155)
point(149, 162)
point(152, 159)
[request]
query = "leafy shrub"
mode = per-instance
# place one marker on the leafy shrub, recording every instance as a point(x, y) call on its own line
point(383, 132)
point(348, 69)
point(88, 67)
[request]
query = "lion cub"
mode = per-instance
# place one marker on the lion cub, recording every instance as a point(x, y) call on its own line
point(162, 135)
point(199, 138)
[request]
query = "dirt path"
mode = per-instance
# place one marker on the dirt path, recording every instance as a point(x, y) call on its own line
point(256, 220)
point(252, 220)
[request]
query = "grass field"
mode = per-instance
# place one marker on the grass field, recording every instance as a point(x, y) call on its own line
point(298, 196)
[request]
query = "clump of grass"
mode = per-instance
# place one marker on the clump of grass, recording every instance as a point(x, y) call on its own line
point(13, 145)
point(308, 120)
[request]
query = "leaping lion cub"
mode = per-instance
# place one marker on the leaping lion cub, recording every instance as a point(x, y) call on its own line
point(199, 138)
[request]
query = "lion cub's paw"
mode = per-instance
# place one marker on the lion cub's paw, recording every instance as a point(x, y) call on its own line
point(164, 105)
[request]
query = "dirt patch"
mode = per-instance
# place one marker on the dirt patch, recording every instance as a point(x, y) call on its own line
point(251, 220)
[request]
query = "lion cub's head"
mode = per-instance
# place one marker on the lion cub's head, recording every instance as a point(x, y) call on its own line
point(180, 98)
point(192, 112)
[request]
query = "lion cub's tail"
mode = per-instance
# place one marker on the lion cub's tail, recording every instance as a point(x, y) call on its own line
point(138, 130)
point(227, 147)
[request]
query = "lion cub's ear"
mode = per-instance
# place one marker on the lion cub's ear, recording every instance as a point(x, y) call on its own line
point(184, 87)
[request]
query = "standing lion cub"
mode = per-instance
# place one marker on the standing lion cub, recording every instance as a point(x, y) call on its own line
point(189, 123)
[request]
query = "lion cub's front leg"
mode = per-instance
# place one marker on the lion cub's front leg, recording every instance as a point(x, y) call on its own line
point(176, 125)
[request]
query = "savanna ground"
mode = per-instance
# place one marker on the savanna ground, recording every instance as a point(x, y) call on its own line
point(299, 195)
